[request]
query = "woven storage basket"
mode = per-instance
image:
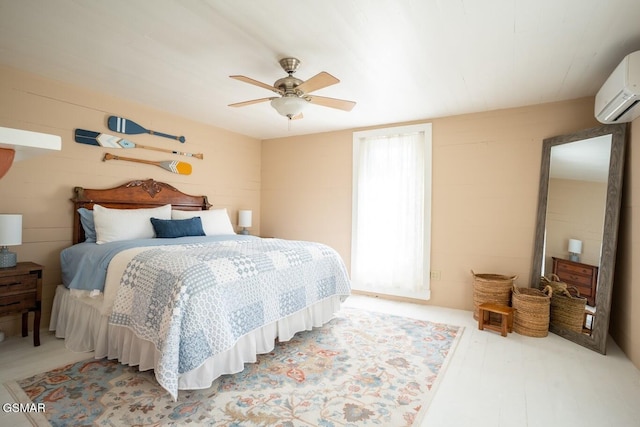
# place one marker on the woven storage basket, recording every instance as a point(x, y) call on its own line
point(532, 311)
point(557, 286)
point(493, 288)
point(567, 311)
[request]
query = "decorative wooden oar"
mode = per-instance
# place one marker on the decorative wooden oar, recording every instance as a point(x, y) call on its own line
point(129, 127)
point(174, 166)
point(110, 141)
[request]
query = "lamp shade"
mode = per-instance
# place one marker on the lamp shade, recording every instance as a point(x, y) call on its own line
point(10, 229)
point(244, 219)
point(575, 246)
point(289, 106)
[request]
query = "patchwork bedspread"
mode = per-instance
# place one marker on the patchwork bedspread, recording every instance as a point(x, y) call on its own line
point(196, 300)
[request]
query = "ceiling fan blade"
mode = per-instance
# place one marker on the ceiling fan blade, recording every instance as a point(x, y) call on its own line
point(253, 101)
point(340, 104)
point(257, 83)
point(319, 81)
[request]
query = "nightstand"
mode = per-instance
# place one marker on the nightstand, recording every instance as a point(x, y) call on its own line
point(583, 277)
point(21, 292)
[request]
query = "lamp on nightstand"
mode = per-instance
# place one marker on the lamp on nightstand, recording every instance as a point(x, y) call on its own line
point(10, 235)
point(244, 221)
point(575, 249)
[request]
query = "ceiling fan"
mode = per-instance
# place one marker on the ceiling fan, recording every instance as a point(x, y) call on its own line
point(295, 93)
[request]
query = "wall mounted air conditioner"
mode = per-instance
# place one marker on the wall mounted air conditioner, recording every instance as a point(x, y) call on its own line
point(618, 98)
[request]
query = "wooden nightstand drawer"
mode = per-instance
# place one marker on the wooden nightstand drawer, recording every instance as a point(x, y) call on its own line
point(572, 269)
point(21, 292)
point(574, 279)
point(18, 302)
point(584, 277)
point(21, 283)
point(585, 291)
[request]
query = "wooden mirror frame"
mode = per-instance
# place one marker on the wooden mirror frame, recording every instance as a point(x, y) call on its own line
point(597, 341)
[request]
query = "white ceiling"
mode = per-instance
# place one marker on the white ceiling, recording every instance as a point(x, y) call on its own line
point(584, 160)
point(400, 60)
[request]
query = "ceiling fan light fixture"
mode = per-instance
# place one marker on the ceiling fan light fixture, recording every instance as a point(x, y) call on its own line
point(289, 106)
point(294, 93)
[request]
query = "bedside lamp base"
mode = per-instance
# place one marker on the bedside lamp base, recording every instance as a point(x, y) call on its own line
point(7, 259)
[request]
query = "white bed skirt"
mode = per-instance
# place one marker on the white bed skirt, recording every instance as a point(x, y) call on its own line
point(80, 322)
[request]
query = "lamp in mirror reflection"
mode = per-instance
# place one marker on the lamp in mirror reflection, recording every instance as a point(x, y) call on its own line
point(244, 221)
point(10, 235)
point(575, 249)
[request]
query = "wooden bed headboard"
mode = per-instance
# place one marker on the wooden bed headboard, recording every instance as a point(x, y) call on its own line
point(133, 195)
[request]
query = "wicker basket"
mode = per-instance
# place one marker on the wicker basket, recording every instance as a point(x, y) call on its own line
point(567, 310)
point(558, 287)
point(567, 307)
point(493, 288)
point(532, 311)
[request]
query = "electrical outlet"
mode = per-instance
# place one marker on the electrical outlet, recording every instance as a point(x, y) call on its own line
point(435, 275)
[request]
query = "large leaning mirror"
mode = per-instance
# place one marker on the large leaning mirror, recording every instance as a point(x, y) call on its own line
point(577, 224)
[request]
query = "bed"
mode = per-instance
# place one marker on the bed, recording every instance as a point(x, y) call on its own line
point(191, 305)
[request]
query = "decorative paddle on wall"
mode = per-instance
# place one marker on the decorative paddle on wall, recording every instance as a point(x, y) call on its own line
point(110, 141)
point(129, 127)
point(174, 166)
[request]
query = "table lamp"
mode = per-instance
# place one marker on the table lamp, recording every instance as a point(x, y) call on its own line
point(10, 235)
point(575, 249)
point(244, 221)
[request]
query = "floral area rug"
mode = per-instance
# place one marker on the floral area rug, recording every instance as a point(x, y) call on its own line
point(362, 368)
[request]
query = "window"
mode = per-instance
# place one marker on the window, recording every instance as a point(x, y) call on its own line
point(392, 211)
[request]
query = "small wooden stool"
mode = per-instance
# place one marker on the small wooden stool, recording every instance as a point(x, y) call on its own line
point(506, 314)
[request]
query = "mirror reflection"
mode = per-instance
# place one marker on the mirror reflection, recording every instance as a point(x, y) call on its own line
point(576, 200)
point(577, 226)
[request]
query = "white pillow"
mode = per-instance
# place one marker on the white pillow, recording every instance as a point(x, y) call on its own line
point(113, 225)
point(214, 221)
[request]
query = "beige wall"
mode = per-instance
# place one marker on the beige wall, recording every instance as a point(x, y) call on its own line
point(485, 184)
point(575, 210)
point(40, 188)
point(625, 309)
point(486, 170)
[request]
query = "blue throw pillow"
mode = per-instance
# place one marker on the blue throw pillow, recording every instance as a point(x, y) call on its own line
point(86, 219)
point(171, 228)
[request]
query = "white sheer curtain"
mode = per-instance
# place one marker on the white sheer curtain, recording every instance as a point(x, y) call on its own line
point(391, 211)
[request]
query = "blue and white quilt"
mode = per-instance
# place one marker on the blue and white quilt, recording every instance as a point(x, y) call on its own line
point(196, 300)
